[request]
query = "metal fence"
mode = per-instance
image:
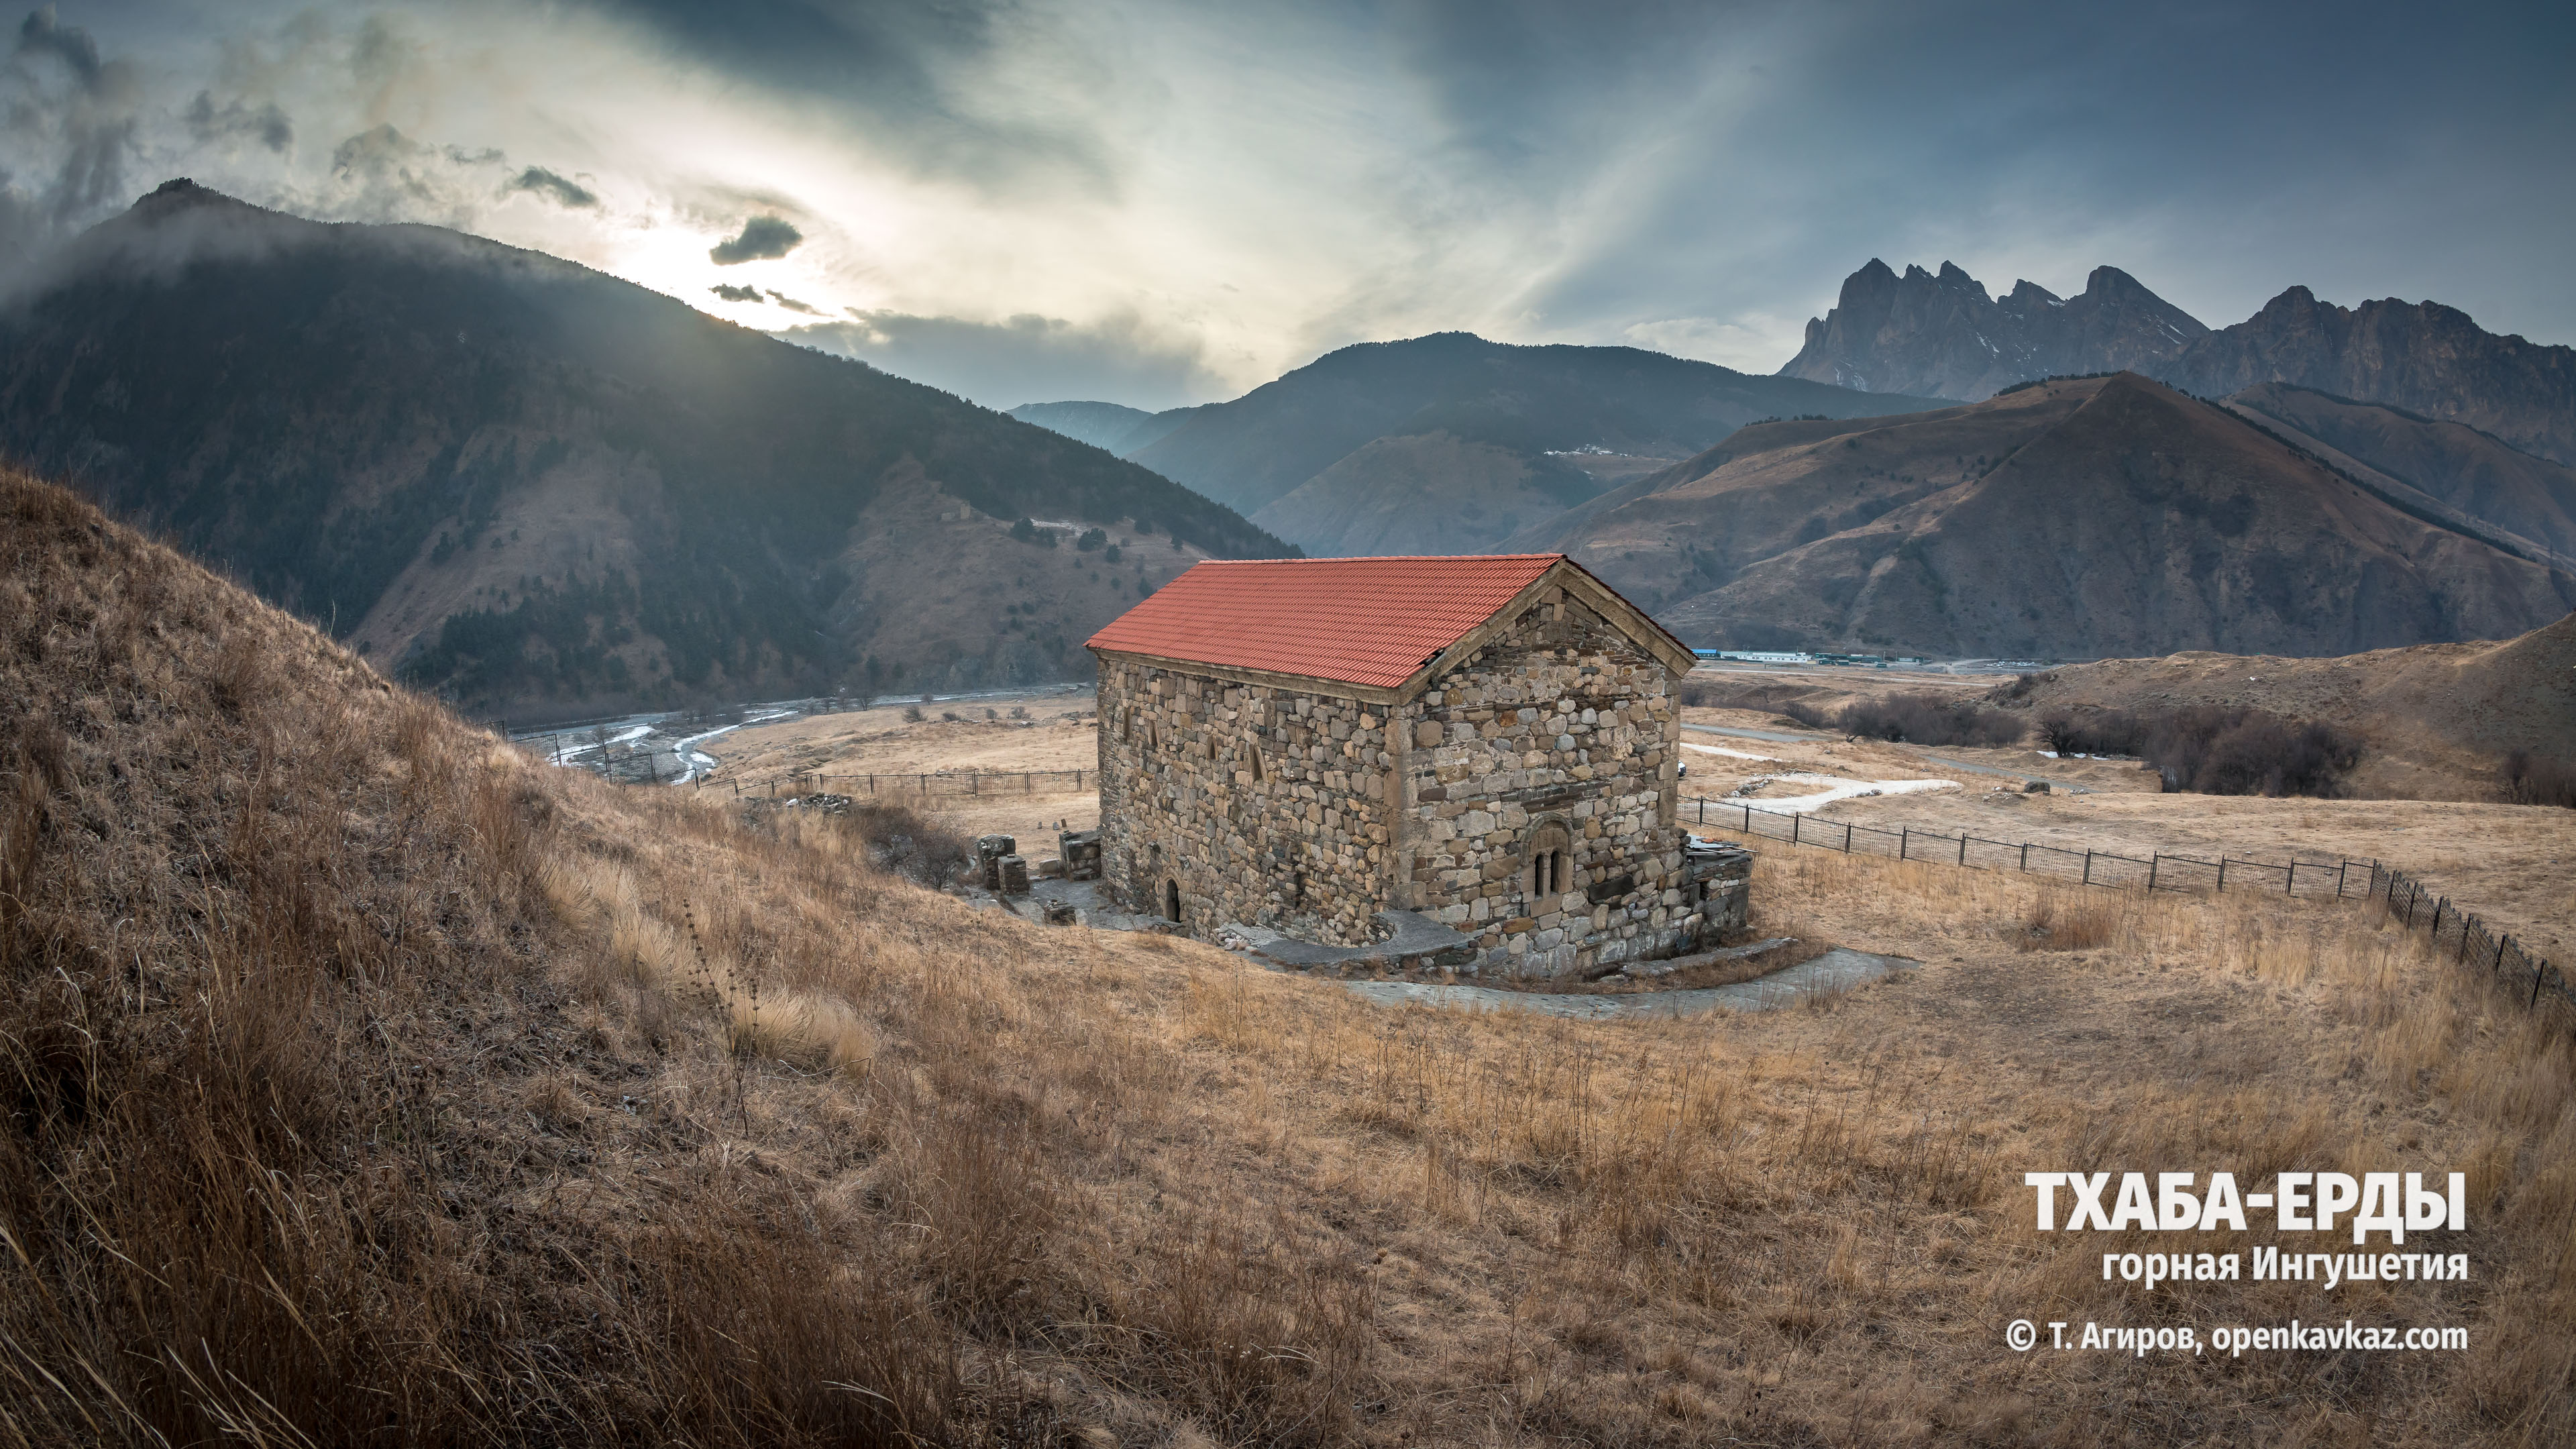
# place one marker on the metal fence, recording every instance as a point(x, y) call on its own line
point(2480, 946)
point(2337, 879)
point(963, 784)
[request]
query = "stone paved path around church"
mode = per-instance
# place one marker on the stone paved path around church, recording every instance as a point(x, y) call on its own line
point(1840, 969)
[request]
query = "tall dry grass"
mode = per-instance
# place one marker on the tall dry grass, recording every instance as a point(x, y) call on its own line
point(368, 1082)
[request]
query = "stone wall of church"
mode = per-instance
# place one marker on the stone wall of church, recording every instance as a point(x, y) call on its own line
point(1250, 803)
point(1561, 734)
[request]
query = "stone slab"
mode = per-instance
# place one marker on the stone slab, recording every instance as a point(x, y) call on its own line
point(1837, 970)
point(1417, 940)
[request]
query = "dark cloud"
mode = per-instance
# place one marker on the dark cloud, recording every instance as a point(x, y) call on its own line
point(792, 305)
point(1026, 358)
point(762, 237)
point(42, 34)
point(546, 183)
point(268, 125)
point(82, 134)
point(735, 294)
point(912, 77)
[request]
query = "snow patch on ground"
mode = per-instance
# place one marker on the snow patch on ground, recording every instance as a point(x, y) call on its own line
point(1835, 789)
point(1730, 754)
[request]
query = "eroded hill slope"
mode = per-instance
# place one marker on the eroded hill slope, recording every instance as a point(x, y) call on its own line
point(2071, 519)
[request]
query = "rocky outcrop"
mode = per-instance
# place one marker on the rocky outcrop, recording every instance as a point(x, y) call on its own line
point(2421, 356)
point(1940, 335)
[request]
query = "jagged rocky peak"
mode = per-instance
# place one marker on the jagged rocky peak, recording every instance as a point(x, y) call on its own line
point(1941, 335)
point(2421, 356)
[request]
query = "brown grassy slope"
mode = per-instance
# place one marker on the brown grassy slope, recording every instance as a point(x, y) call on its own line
point(370, 1084)
point(2437, 716)
point(2451, 463)
point(1430, 494)
point(2067, 520)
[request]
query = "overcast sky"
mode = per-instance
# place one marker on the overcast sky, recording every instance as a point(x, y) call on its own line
point(1159, 203)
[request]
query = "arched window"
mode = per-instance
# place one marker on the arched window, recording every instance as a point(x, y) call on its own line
point(1548, 869)
point(1172, 901)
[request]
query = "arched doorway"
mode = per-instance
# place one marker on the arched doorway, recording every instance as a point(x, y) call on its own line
point(1172, 901)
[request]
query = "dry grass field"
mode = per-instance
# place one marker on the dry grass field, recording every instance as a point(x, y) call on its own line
point(369, 1082)
point(2513, 864)
point(1044, 732)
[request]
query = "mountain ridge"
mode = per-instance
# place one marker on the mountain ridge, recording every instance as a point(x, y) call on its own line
point(1941, 335)
point(1523, 413)
point(533, 485)
point(2071, 519)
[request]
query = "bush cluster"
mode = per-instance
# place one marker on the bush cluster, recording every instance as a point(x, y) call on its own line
point(921, 850)
point(2531, 780)
point(1922, 717)
point(2214, 750)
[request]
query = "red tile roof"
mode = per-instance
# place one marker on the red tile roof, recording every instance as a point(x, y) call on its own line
point(1364, 621)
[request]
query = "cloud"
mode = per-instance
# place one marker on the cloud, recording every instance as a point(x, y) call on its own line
point(762, 237)
point(43, 34)
point(268, 125)
point(792, 305)
point(1027, 358)
point(546, 183)
point(80, 136)
point(735, 294)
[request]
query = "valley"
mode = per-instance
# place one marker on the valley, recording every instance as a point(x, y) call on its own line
point(825, 1121)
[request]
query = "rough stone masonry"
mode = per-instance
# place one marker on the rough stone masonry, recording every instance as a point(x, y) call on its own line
point(1522, 793)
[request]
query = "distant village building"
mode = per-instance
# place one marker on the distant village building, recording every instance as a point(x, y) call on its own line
point(1492, 742)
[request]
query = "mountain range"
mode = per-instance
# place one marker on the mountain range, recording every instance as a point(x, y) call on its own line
point(537, 489)
point(2076, 518)
point(530, 485)
point(1941, 335)
point(1447, 443)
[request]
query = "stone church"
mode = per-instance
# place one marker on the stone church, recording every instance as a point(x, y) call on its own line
point(1490, 742)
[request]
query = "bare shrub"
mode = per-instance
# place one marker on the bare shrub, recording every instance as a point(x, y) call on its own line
point(2531, 780)
point(2213, 750)
point(2093, 732)
point(1926, 717)
point(2216, 751)
point(917, 847)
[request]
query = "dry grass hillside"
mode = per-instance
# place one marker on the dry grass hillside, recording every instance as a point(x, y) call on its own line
point(2438, 717)
point(368, 1082)
point(2067, 519)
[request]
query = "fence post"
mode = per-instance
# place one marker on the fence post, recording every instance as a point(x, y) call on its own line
point(2290, 887)
point(1748, 819)
point(1904, 839)
point(2025, 856)
point(2155, 862)
point(1963, 847)
point(2539, 968)
point(1793, 828)
point(2088, 867)
point(2222, 870)
point(2339, 874)
point(1847, 837)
